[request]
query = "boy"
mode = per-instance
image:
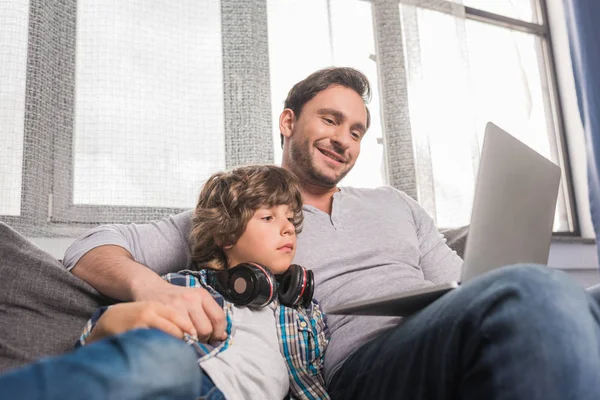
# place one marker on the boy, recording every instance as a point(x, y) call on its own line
point(246, 219)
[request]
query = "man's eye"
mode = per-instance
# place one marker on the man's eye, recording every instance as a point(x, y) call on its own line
point(355, 135)
point(329, 121)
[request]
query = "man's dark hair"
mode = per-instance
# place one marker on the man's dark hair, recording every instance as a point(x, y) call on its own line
point(306, 89)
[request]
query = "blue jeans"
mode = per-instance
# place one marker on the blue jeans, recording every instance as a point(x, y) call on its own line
point(520, 332)
point(141, 364)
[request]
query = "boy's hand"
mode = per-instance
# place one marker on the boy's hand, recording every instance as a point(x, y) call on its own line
point(195, 305)
point(124, 317)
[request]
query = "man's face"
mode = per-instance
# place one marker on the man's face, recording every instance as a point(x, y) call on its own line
point(323, 143)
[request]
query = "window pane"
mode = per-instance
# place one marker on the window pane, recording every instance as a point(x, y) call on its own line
point(511, 90)
point(340, 34)
point(525, 10)
point(149, 101)
point(469, 75)
point(14, 17)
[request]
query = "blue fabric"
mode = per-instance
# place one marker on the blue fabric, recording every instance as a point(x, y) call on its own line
point(140, 364)
point(595, 292)
point(584, 38)
point(521, 332)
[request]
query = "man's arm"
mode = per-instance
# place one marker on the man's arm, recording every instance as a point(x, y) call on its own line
point(160, 245)
point(439, 263)
point(122, 261)
point(111, 270)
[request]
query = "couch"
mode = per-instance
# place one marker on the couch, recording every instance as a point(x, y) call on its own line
point(43, 307)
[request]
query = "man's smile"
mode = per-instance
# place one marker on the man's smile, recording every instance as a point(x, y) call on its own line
point(332, 155)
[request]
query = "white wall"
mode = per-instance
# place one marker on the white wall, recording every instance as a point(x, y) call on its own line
point(56, 247)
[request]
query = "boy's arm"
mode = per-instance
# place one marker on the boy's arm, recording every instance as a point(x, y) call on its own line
point(122, 262)
point(321, 335)
point(311, 369)
point(123, 317)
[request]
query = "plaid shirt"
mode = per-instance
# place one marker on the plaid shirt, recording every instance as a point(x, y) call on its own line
point(302, 332)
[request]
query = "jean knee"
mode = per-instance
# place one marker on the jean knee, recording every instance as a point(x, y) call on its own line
point(538, 279)
point(537, 289)
point(161, 360)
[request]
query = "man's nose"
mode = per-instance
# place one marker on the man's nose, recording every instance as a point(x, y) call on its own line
point(342, 138)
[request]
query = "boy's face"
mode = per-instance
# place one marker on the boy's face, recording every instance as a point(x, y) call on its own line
point(269, 239)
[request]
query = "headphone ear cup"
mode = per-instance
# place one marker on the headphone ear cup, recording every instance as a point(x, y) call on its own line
point(247, 284)
point(310, 289)
point(295, 286)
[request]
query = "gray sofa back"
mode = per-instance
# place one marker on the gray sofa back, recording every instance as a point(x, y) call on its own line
point(43, 307)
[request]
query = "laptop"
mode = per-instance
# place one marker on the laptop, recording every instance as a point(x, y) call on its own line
point(511, 222)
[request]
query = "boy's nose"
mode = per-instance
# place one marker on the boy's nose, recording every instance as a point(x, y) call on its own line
point(288, 228)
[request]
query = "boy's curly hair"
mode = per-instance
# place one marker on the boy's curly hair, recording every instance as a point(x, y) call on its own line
point(227, 202)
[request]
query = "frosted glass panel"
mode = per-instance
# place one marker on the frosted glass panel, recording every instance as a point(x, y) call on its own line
point(149, 101)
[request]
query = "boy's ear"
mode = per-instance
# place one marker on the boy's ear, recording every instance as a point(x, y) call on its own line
point(287, 119)
point(219, 242)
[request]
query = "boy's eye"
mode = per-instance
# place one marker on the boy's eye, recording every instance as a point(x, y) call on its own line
point(267, 218)
point(291, 219)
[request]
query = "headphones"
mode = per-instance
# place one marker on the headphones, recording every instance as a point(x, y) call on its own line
point(253, 285)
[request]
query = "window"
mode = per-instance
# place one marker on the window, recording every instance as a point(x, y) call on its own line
point(148, 102)
point(116, 111)
point(467, 66)
point(119, 110)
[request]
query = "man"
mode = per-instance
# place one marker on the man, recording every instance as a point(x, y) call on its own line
point(520, 332)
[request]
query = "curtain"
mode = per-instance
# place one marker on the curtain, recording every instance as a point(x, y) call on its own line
point(439, 95)
point(584, 37)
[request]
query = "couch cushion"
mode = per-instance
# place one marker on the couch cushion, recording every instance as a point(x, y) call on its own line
point(43, 307)
point(456, 239)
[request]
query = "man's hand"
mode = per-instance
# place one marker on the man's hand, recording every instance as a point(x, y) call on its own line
point(124, 317)
point(194, 305)
point(114, 273)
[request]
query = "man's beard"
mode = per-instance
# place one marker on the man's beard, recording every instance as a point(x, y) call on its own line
point(304, 164)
